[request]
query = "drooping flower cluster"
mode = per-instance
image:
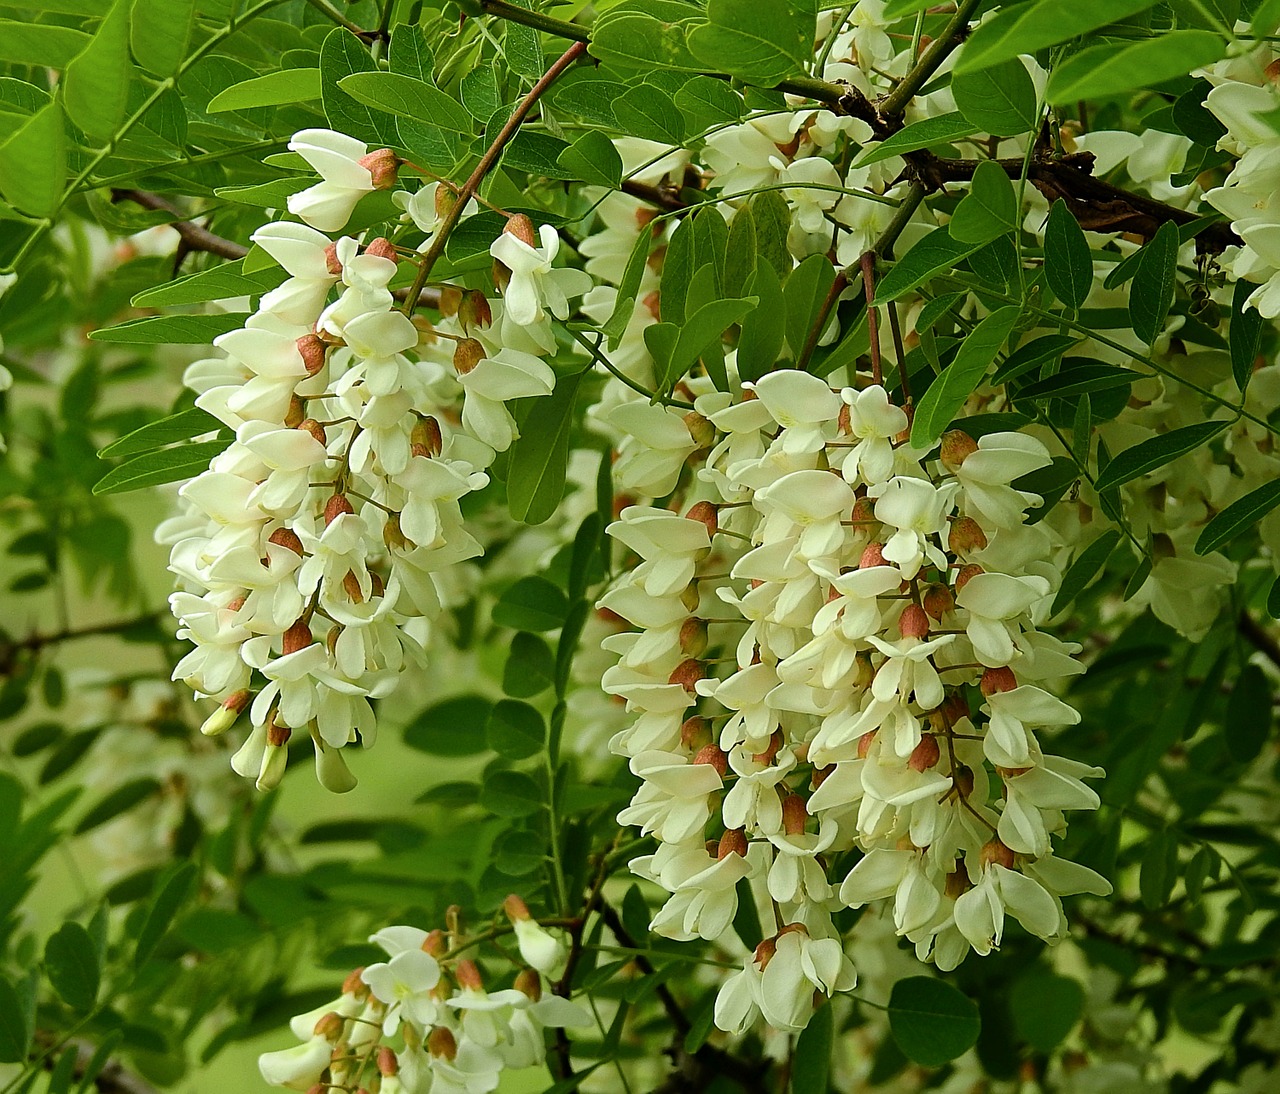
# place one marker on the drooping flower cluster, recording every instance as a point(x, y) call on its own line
point(882, 658)
point(423, 1020)
point(326, 526)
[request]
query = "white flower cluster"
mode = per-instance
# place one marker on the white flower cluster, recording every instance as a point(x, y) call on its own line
point(454, 1035)
point(310, 543)
point(885, 683)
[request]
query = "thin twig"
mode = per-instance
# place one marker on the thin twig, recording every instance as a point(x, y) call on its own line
point(194, 237)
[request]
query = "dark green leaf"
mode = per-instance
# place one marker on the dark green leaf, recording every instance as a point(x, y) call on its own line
point(1244, 334)
point(172, 890)
point(1087, 565)
point(71, 963)
point(158, 330)
point(1241, 515)
point(592, 158)
point(15, 1027)
point(540, 455)
point(1030, 355)
point(1000, 100)
point(1077, 379)
point(764, 327)
point(176, 427)
point(225, 282)
point(805, 291)
point(532, 604)
point(117, 801)
point(342, 54)
point(1152, 293)
point(1046, 1007)
point(645, 35)
point(708, 102)
point(1159, 871)
point(759, 41)
point(931, 1021)
point(183, 461)
point(930, 256)
point(530, 666)
point(990, 208)
point(404, 96)
point(925, 133)
point(645, 111)
point(1113, 67)
point(1068, 266)
point(516, 730)
point(1249, 715)
point(811, 1062)
point(452, 727)
point(1155, 452)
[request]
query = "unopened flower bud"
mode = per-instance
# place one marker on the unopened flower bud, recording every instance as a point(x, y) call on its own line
point(450, 301)
point(795, 815)
point(821, 774)
point(442, 1043)
point(467, 973)
point(312, 351)
point(296, 412)
point(287, 538)
point(997, 680)
point(994, 852)
point(521, 227)
point(331, 261)
point(383, 165)
point(715, 756)
point(330, 1026)
point(516, 908)
point(937, 601)
point(426, 438)
point(864, 511)
point(351, 586)
point(354, 984)
point(865, 742)
point(913, 622)
point(925, 755)
point(467, 354)
point(693, 636)
point(700, 429)
point(872, 555)
point(297, 637)
point(382, 248)
point(956, 447)
point(691, 597)
point(771, 750)
point(392, 536)
point(844, 420)
point(687, 674)
point(388, 1065)
point(966, 535)
point(336, 506)
point(436, 943)
point(225, 716)
point(529, 982)
point(278, 735)
point(733, 842)
point(695, 733)
point(705, 514)
point(966, 573)
point(764, 953)
point(474, 311)
point(310, 425)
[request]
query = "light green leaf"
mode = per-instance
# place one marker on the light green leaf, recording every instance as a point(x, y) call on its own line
point(759, 41)
point(407, 97)
point(453, 727)
point(1087, 565)
point(1000, 100)
point(95, 86)
point(540, 455)
point(159, 33)
point(225, 282)
point(1241, 515)
point(510, 794)
point(516, 730)
point(947, 394)
point(931, 255)
point(341, 55)
point(1114, 67)
point(1151, 295)
point(1068, 266)
point(71, 963)
point(41, 45)
point(648, 112)
point(1155, 452)
point(289, 85)
point(185, 330)
point(931, 1021)
point(943, 129)
point(176, 427)
point(33, 162)
point(161, 466)
point(532, 604)
point(989, 209)
point(172, 891)
point(593, 159)
point(1026, 28)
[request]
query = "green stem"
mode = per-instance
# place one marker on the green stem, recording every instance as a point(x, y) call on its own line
point(330, 12)
point(600, 359)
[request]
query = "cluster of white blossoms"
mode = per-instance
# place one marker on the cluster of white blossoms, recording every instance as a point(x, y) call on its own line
point(423, 1020)
point(312, 543)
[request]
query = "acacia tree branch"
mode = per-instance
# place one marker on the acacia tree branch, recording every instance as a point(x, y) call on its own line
point(194, 237)
point(1261, 638)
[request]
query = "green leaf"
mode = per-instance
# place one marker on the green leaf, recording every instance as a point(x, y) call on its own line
point(404, 96)
point(524, 53)
point(1155, 452)
point(532, 604)
point(646, 35)
point(647, 112)
point(811, 1061)
point(1087, 565)
point(772, 218)
point(1113, 67)
point(540, 455)
point(930, 256)
point(1068, 266)
point(1031, 354)
point(288, 85)
point(699, 334)
point(341, 55)
point(451, 727)
point(1077, 377)
point(33, 162)
point(708, 102)
point(530, 666)
point(183, 461)
point(71, 963)
point(176, 427)
point(186, 330)
point(172, 890)
point(948, 393)
point(1000, 100)
point(989, 209)
point(41, 45)
point(1082, 431)
point(159, 31)
point(95, 87)
point(1241, 515)
point(1249, 715)
point(1244, 334)
point(624, 305)
point(516, 730)
point(943, 129)
point(764, 327)
point(1045, 1007)
point(225, 282)
point(804, 291)
point(759, 41)
point(1273, 600)
point(931, 1021)
point(593, 159)
point(1152, 293)
point(510, 794)
point(1197, 871)
point(518, 853)
point(1159, 870)
point(1026, 28)
point(15, 1027)
point(119, 800)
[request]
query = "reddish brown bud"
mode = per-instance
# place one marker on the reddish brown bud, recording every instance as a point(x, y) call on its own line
point(733, 842)
point(387, 1063)
point(706, 514)
point(938, 601)
point(821, 774)
point(467, 973)
point(297, 637)
point(278, 735)
point(925, 755)
point(966, 535)
point(795, 815)
point(426, 438)
point(771, 750)
point(466, 355)
point(994, 852)
point(310, 425)
point(331, 260)
point(844, 420)
point(872, 555)
point(693, 636)
point(450, 301)
point(695, 733)
point(383, 165)
point(442, 1043)
point(529, 983)
point(351, 586)
point(521, 227)
point(913, 622)
point(313, 351)
point(436, 943)
point(515, 907)
point(382, 248)
point(354, 985)
point(329, 1026)
point(966, 573)
point(764, 953)
point(998, 680)
point(687, 674)
point(957, 446)
point(474, 311)
point(958, 883)
point(865, 742)
point(864, 511)
point(295, 414)
point(701, 429)
point(712, 754)
point(335, 507)
point(288, 538)
point(236, 603)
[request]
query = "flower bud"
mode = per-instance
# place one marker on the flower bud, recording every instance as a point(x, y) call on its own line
point(382, 248)
point(392, 537)
point(764, 953)
point(529, 982)
point(995, 852)
point(938, 601)
point(693, 636)
point(966, 535)
point(330, 1026)
point(467, 973)
point(331, 261)
point(351, 586)
point(450, 301)
point(771, 750)
point(521, 227)
point(705, 514)
point(687, 674)
point(865, 742)
point(956, 447)
point(287, 538)
point(426, 438)
point(872, 555)
point(733, 842)
point(297, 637)
point(714, 755)
point(436, 943)
point(925, 755)
point(310, 425)
point(474, 311)
point(335, 507)
point(700, 429)
point(354, 984)
point(695, 733)
point(821, 774)
point(997, 680)
point(691, 597)
point(312, 351)
point(442, 1043)
point(516, 908)
point(388, 1065)
point(467, 355)
point(383, 165)
point(964, 574)
point(795, 815)
point(962, 780)
point(913, 622)
point(864, 511)
point(225, 716)
point(295, 414)
point(844, 420)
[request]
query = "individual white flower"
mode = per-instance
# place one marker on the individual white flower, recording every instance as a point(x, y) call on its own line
point(995, 603)
point(298, 1068)
point(671, 546)
point(917, 510)
point(405, 984)
point(535, 285)
point(873, 422)
point(328, 205)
